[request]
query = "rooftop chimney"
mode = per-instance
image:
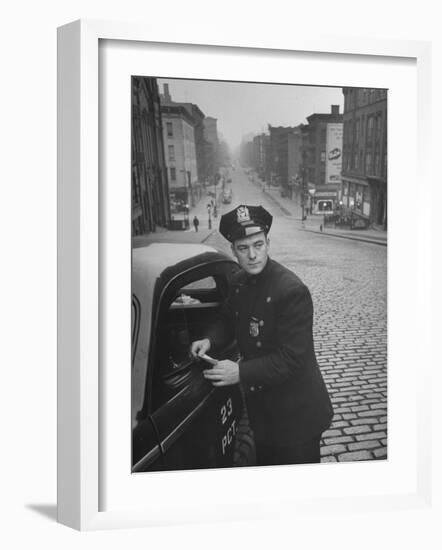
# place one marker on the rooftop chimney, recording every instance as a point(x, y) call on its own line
point(335, 109)
point(167, 98)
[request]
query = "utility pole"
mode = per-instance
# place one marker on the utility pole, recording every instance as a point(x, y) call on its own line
point(303, 185)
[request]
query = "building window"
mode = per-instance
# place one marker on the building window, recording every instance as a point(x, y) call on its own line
point(347, 131)
point(378, 127)
point(367, 162)
point(377, 165)
point(356, 128)
point(322, 156)
point(173, 173)
point(169, 126)
point(370, 124)
point(171, 150)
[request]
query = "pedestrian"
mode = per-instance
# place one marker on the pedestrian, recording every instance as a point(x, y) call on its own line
point(210, 222)
point(270, 313)
point(196, 223)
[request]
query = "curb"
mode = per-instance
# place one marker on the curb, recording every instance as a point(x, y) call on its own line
point(289, 214)
point(209, 235)
point(283, 209)
point(367, 240)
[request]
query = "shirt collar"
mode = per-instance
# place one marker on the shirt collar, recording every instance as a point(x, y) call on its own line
point(253, 279)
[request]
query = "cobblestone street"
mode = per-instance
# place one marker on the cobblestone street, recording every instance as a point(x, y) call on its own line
point(348, 282)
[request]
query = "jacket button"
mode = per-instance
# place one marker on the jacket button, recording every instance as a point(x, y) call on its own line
point(258, 344)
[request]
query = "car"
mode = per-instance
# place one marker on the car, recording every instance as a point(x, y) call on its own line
point(179, 420)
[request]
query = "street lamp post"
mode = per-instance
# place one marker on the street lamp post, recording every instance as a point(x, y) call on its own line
point(303, 182)
point(186, 216)
point(303, 195)
point(312, 195)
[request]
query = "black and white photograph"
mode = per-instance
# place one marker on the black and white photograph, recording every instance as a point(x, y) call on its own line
point(259, 274)
point(221, 270)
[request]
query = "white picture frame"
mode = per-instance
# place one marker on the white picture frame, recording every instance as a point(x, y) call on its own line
point(79, 278)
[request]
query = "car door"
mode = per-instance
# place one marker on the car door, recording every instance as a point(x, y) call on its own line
point(195, 424)
point(146, 451)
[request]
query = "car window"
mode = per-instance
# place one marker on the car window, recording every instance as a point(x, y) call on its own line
point(194, 306)
point(190, 307)
point(206, 282)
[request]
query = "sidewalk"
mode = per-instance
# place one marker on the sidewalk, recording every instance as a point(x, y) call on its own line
point(163, 235)
point(313, 222)
point(166, 236)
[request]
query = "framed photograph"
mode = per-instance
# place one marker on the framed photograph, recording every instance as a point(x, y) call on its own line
point(159, 141)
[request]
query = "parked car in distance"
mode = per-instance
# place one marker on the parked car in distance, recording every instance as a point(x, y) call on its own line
point(179, 420)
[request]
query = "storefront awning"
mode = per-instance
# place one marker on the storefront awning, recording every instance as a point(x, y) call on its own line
point(357, 181)
point(325, 195)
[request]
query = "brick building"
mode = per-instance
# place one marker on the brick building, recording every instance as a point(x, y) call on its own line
point(212, 145)
point(247, 153)
point(295, 162)
point(179, 145)
point(261, 144)
point(202, 163)
point(318, 155)
point(150, 194)
point(280, 136)
point(364, 170)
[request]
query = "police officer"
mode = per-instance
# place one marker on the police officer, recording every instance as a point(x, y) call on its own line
point(269, 310)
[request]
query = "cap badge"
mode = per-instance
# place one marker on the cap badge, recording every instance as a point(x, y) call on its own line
point(242, 214)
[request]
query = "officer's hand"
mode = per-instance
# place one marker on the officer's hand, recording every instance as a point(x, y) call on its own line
point(199, 347)
point(224, 373)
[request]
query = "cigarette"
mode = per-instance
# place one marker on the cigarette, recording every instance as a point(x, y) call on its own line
point(209, 359)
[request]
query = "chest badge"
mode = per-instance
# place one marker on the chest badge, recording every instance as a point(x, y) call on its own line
point(254, 327)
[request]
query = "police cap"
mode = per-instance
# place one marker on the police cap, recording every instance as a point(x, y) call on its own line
point(244, 221)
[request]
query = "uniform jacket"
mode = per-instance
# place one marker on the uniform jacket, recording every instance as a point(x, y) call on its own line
point(271, 315)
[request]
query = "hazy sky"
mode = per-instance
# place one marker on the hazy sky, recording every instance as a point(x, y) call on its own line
point(244, 108)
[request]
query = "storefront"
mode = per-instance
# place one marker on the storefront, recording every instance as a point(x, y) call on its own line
point(356, 196)
point(324, 201)
point(378, 194)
